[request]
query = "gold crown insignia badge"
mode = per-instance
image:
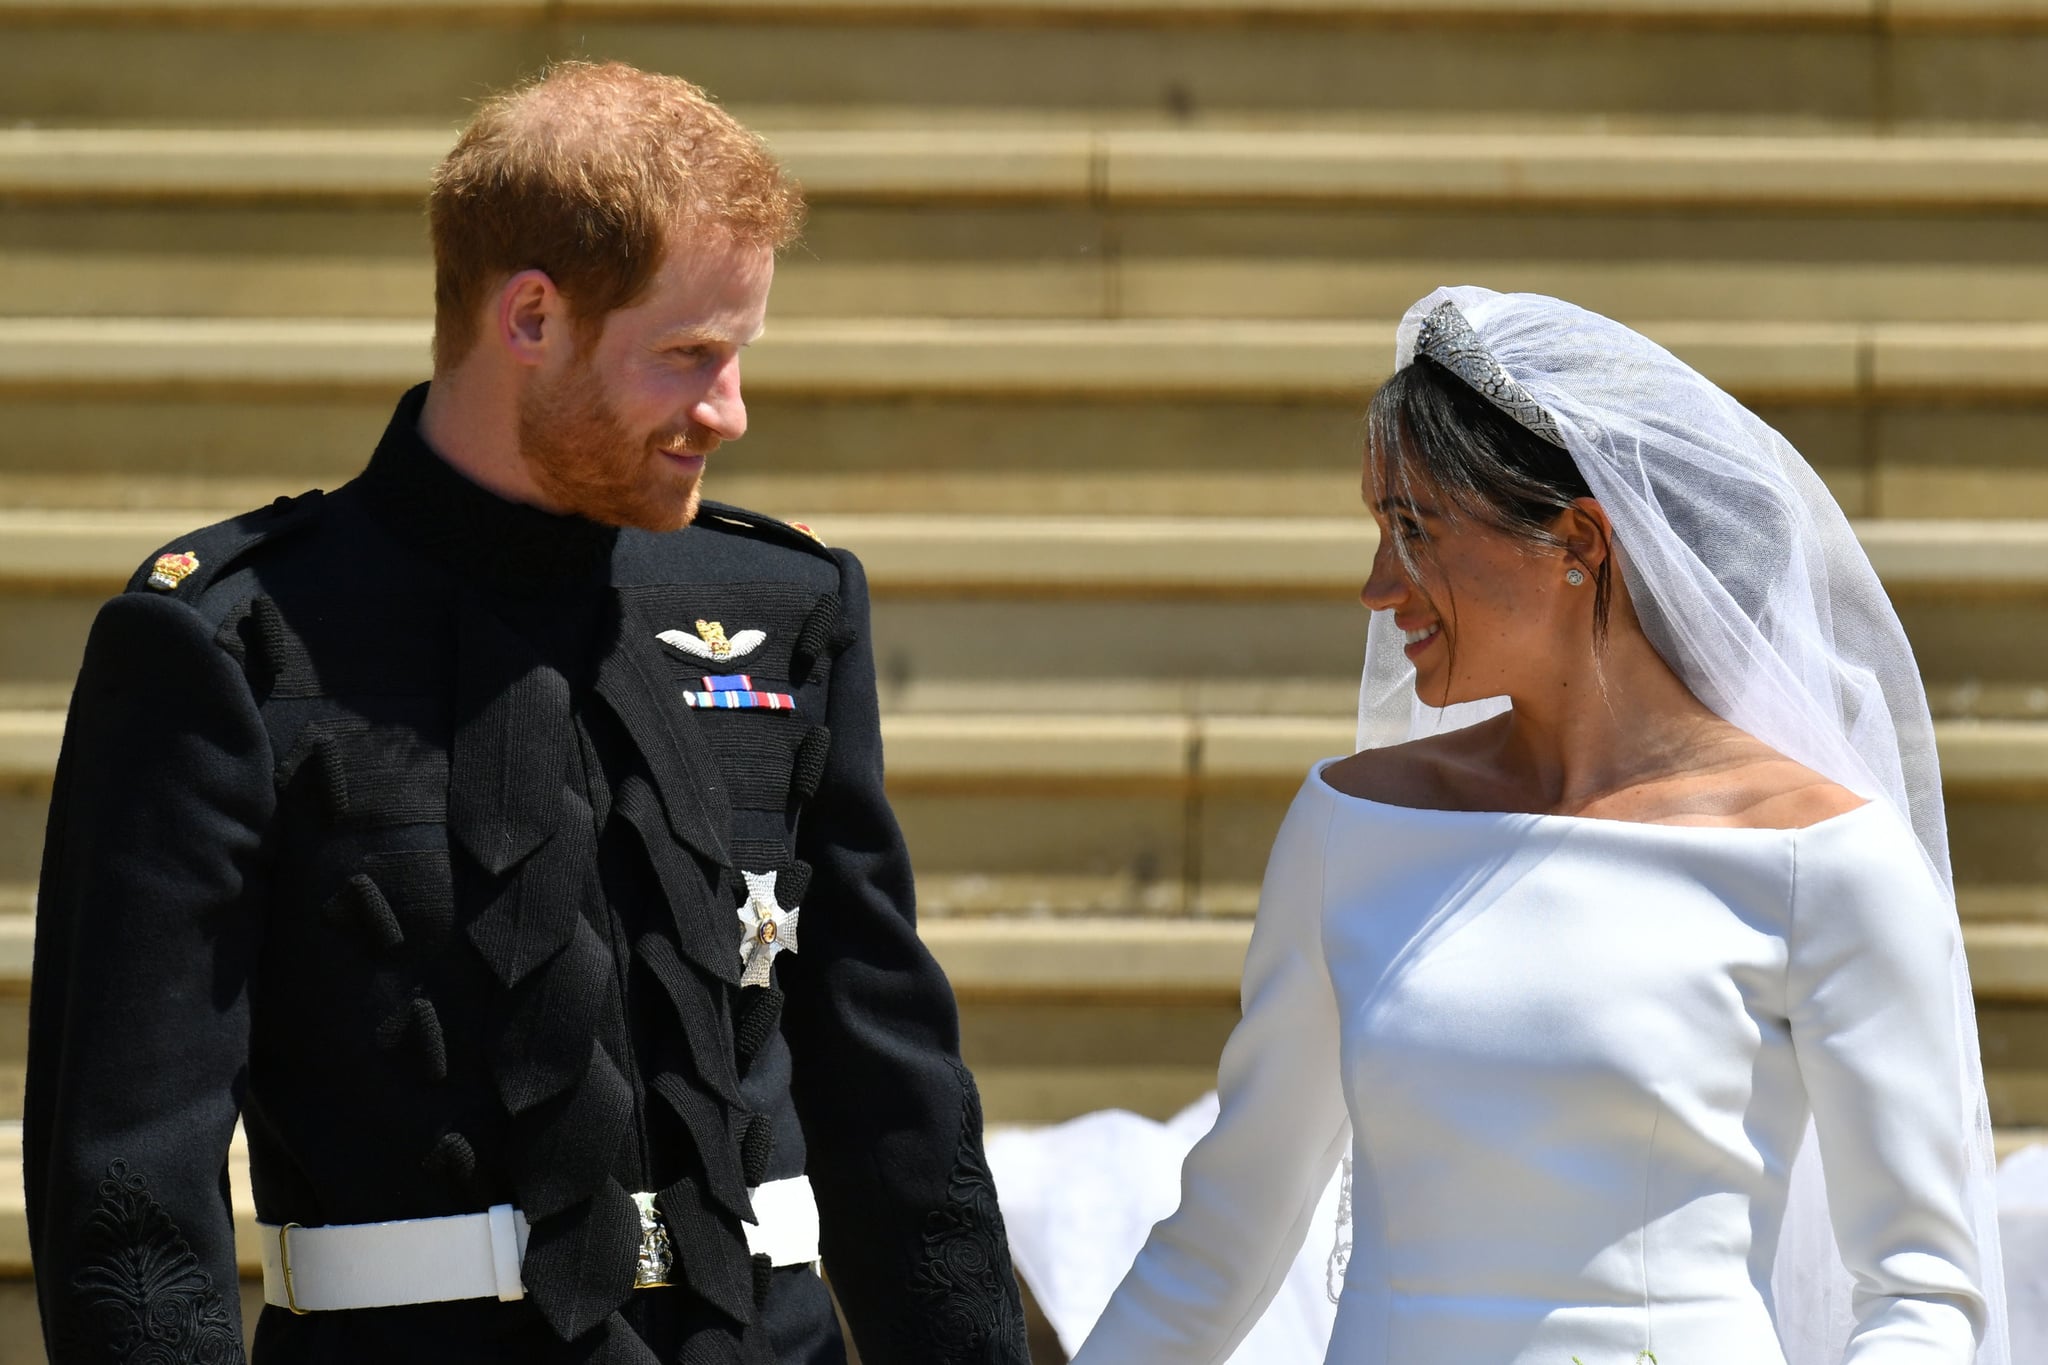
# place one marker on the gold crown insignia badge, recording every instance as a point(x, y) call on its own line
point(171, 570)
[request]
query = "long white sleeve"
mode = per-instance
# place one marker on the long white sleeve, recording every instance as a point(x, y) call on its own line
point(1250, 1187)
point(1872, 1009)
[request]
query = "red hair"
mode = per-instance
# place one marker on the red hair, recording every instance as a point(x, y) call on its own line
point(585, 173)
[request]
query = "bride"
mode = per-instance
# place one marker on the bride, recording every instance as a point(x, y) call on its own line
point(1623, 959)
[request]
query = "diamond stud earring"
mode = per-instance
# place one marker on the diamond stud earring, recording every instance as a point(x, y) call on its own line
point(1575, 577)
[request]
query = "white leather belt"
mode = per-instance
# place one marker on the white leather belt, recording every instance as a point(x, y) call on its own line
point(477, 1255)
point(786, 1230)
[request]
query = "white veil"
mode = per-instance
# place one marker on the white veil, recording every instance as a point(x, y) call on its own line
point(1751, 584)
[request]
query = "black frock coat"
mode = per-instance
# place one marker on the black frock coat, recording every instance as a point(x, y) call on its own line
point(388, 831)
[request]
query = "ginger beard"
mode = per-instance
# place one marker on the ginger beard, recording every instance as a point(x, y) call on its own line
point(584, 460)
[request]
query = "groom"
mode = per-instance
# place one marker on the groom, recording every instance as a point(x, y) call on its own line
point(512, 862)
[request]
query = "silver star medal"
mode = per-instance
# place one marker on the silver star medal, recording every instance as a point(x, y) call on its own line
point(765, 928)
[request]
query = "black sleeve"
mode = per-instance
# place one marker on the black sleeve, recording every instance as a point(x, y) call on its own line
point(912, 1237)
point(139, 1005)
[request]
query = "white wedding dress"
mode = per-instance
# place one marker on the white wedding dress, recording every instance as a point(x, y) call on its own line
point(1573, 1059)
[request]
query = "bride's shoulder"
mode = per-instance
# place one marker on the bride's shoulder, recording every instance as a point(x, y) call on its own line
point(1747, 783)
point(1798, 798)
point(1431, 773)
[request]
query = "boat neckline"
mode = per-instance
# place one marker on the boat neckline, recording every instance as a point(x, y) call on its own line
point(1316, 774)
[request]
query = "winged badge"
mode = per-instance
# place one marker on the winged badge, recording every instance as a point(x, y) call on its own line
point(710, 642)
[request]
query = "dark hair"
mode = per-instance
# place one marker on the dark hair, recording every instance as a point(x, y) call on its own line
point(1427, 425)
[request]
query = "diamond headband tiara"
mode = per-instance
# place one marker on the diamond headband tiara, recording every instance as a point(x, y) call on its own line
point(1448, 339)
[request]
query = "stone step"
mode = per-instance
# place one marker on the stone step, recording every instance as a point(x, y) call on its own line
point(1087, 959)
point(1923, 62)
point(1015, 556)
point(1108, 165)
point(1029, 557)
point(1862, 13)
point(18, 1342)
point(1043, 1050)
point(1055, 223)
point(1060, 978)
point(1105, 1009)
point(1008, 907)
point(936, 357)
point(1171, 815)
point(1216, 453)
point(1126, 615)
point(1050, 253)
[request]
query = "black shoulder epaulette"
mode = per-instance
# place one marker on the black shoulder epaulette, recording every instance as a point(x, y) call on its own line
point(793, 534)
point(189, 565)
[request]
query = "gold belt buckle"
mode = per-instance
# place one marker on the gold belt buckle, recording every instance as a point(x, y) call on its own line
point(284, 1255)
point(657, 1254)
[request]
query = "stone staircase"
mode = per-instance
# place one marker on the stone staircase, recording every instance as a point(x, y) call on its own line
point(1074, 355)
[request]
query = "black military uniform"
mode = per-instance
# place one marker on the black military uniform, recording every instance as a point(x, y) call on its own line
point(419, 829)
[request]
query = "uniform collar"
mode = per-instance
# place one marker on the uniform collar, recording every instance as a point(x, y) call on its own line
point(503, 545)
